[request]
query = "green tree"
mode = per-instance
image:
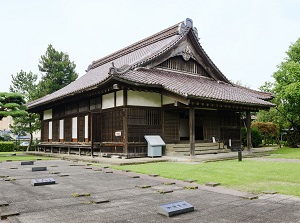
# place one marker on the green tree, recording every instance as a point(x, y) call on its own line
point(287, 90)
point(11, 104)
point(57, 71)
point(268, 130)
point(28, 123)
point(25, 84)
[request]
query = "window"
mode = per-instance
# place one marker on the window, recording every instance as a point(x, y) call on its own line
point(61, 129)
point(86, 127)
point(74, 128)
point(50, 130)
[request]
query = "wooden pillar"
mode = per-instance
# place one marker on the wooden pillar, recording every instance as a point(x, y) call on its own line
point(248, 124)
point(192, 131)
point(125, 124)
point(92, 134)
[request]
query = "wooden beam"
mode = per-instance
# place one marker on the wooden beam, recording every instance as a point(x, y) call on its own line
point(248, 124)
point(192, 131)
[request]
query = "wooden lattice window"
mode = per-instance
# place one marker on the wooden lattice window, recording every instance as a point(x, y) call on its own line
point(178, 63)
point(171, 127)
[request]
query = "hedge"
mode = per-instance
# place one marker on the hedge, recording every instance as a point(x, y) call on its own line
point(256, 137)
point(7, 146)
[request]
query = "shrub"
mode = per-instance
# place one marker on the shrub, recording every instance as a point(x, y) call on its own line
point(256, 137)
point(7, 146)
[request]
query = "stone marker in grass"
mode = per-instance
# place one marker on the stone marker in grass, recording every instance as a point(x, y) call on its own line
point(249, 196)
point(175, 208)
point(189, 181)
point(153, 175)
point(212, 184)
point(42, 182)
point(134, 176)
point(269, 192)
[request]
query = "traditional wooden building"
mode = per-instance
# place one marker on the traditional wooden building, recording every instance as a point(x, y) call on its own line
point(163, 85)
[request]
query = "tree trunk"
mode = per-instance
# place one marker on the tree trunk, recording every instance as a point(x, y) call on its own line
point(30, 142)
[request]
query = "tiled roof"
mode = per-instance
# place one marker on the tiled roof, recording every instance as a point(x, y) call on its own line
point(195, 86)
point(98, 70)
point(147, 50)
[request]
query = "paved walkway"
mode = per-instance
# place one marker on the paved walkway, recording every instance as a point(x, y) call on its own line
point(127, 200)
point(199, 158)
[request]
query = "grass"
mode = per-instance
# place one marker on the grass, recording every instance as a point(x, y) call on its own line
point(287, 153)
point(248, 175)
point(8, 156)
point(9, 153)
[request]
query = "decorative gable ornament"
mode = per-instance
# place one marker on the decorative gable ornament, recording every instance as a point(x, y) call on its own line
point(188, 23)
point(186, 53)
point(115, 70)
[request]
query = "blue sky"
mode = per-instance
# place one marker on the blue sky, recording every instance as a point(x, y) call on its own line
point(246, 39)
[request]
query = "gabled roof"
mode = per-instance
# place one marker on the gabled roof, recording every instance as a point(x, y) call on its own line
point(129, 64)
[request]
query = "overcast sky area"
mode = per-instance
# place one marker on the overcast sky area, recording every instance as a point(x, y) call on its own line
point(246, 39)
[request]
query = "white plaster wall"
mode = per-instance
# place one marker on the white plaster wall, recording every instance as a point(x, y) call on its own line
point(50, 130)
point(108, 100)
point(119, 98)
point(74, 128)
point(61, 129)
point(140, 98)
point(168, 100)
point(47, 114)
point(86, 126)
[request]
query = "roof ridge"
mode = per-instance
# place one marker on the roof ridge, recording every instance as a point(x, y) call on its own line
point(172, 44)
point(135, 46)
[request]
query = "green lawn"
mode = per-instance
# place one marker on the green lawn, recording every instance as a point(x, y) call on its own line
point(8, 156)
point(248, 175)
point(288, 153)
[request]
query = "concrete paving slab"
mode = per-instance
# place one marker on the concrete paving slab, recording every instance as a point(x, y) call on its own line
point(55, 203)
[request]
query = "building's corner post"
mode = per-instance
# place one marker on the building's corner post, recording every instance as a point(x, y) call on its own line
point(192, 131)
point(248, 127)
point(125, 123)
point(92, 134)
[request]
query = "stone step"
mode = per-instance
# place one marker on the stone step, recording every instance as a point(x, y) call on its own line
point(198, 149)
point(198, 145)
point(208, 152)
